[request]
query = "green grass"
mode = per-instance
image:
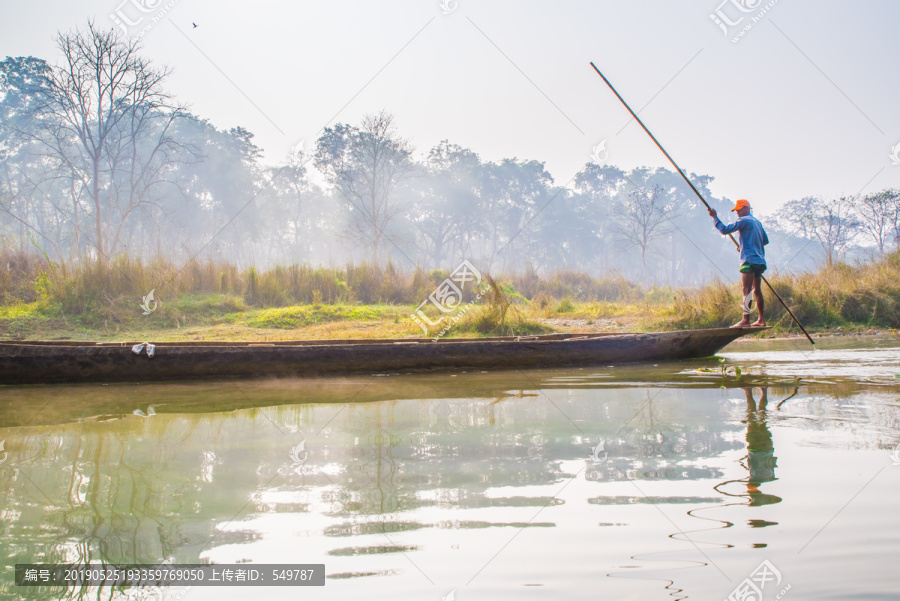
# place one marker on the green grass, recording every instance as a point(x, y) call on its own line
point(218, 301)
point(21, 311)
point(565, 306)
point(305, 315)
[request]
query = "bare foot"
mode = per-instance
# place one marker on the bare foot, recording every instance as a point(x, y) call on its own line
point(744, 323)
point(759, 323)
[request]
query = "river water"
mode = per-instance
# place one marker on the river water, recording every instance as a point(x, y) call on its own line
point(628, 482)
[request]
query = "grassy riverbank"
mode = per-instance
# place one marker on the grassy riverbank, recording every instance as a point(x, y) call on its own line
point(209, 301)
point(860, 297)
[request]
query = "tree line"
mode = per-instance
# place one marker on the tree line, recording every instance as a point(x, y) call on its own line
point(97, 159)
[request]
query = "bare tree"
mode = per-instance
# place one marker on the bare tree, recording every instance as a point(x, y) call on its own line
point(365, 164)
point(107, 123)
point(879, 217)
point(891, 198)
point(831, 222)
point(641, 218)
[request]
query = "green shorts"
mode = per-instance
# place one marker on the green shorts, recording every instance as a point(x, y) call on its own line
point(753, 268)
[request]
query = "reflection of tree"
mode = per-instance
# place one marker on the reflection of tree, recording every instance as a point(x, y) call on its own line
point(646, 433)
point(379, 470)
point(178, 485)
point(449, 452)
point(124, 496)
point(657, 443)
point(760, 465)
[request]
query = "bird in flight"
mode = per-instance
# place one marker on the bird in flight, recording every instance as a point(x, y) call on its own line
point(194, 24)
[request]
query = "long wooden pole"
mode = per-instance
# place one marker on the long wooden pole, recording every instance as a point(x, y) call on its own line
point(697, 192)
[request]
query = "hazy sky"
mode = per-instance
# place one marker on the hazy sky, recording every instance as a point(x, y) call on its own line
point(804, 103)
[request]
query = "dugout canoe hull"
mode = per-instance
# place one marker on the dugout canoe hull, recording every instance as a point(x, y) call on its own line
point(39, 362)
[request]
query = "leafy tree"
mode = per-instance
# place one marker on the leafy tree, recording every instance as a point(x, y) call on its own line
point(33, 193)
point(600, 182)
point(513, 192)
point(293, 210)
point(445, 201)
point(365, 164)
point(216, 204)
point(595, 192)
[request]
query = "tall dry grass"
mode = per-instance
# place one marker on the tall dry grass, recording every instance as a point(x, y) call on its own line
point(87, 284)
point(575, 285)
point(864, 294)
point(19, 280)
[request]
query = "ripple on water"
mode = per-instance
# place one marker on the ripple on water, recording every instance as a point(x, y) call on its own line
point(639, 481)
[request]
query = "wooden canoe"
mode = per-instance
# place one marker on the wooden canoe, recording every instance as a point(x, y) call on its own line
point(37, 362)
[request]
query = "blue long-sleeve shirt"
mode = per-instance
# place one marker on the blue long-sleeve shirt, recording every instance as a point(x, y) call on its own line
point(752, 238)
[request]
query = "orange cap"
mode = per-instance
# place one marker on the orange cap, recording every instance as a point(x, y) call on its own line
point(740, 205)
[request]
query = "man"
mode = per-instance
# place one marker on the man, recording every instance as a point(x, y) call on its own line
point(752, 239)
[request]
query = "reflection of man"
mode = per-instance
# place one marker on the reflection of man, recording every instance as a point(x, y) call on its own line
point(761, 460)
point(753, 239)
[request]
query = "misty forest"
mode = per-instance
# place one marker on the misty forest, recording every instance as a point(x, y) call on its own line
point(412, 358)
point(100, 161)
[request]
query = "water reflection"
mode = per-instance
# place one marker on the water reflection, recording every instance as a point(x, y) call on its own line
point(413, 469)
point(761, 460)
